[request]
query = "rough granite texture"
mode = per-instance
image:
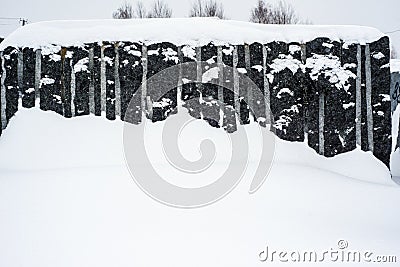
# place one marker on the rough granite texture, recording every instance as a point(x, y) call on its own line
point(80, 66)
point(11, 81)
point(28, 89)
point(130, 74)
point(162, 56)
point(381, 104)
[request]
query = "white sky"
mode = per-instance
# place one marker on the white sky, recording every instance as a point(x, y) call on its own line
point(382, 14)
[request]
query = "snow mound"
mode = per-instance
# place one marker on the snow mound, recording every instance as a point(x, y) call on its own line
point(180, 31)
point(39, 140)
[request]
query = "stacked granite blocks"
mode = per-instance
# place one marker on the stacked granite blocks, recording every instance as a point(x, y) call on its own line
point(330, 94)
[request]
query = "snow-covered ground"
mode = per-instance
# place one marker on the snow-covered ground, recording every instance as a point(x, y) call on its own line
point(67, 199)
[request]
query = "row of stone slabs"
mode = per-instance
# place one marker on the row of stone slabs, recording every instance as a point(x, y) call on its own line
point(333, 117)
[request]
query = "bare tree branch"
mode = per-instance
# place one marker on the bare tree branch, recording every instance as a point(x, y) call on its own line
point(207, 8)
point(160, 10)
point(125, 11)
point(282, 13)
point(140, 10)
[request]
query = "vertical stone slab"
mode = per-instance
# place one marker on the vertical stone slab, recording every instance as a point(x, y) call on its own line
point(285, 76)
point(364, 128)
point(248, 97)
point(339, 83)
point(38, 72)
point(3, 117)
point(131, 75)
point(243, 92)
point(143, 91)
point(50, 92)
point(161, 56)
point(80, 63)
point(91, 84)
point(348, 114)
point(358, 97)
point(10, 55)
point(256, 71)
point(303, 57)
point(190, 89)
point(335, 87)
point(321, 123)
point(236, 85)
point(103, 79)
point(28, 78)
point(96, 79)
point(66, 88)
point(368, 92)
point(210, 74)
point(380, 99)
point(109, 59)
point(117, 82)
point(180, 81)
point(229, 120)
point(220, 65)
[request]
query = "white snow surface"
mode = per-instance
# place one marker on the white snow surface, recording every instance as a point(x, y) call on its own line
point(180, 31)
point(67, 199)
point(395, 65)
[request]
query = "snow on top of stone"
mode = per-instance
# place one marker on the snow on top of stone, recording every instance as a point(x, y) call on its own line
point(395, 65)
point(180, 31)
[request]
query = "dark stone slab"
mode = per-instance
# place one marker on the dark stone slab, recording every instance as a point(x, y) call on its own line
point(324, 46)
point(364, 126)
point(130, 75)
point(11, 81)
point(28, 90)
point(381, 104)
point(209, 90)
point(80, 63)
point(66, 70)
point(1, 102)
point(286, 92)
point(50, 92)
point(109, 57)
point(229, 120)
point(162, 56)
point(241, 66)
point(255, 73)
point(190, 89)
point(340, 108)
point(95, 76)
